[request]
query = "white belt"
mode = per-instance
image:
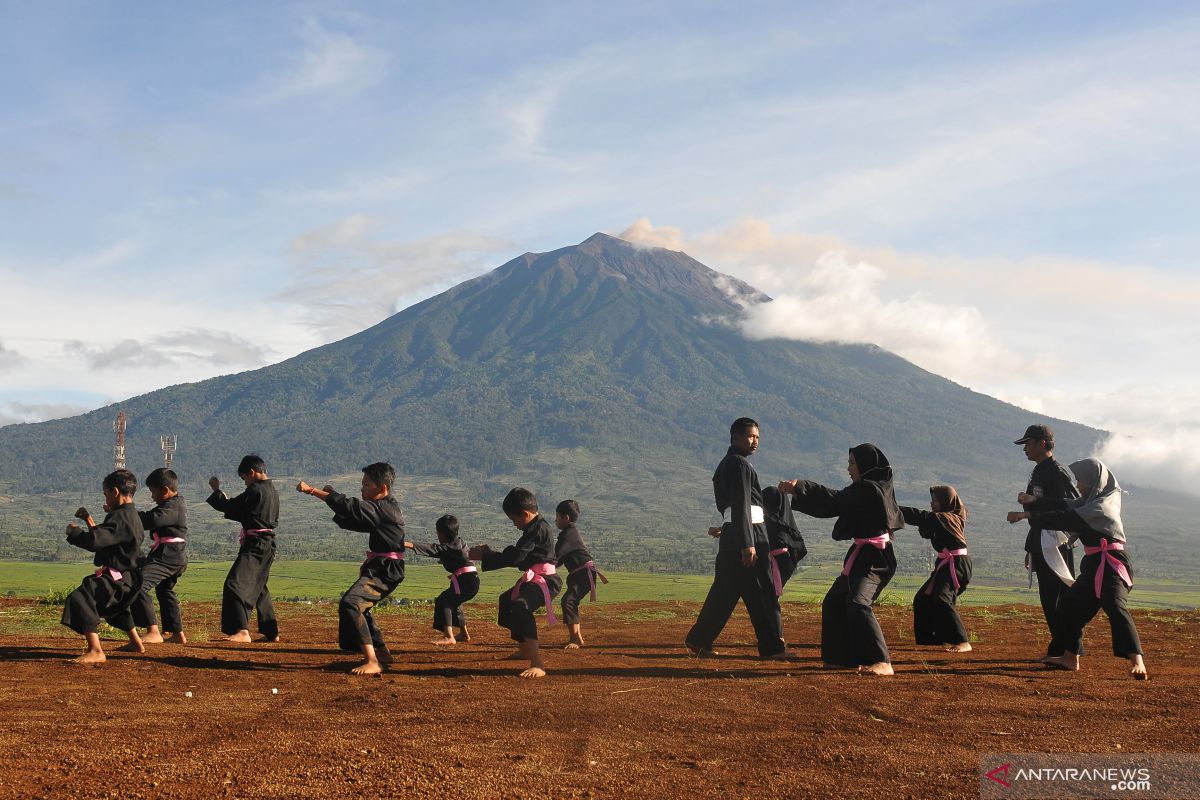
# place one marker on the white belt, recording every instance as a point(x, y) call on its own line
point(756, 515)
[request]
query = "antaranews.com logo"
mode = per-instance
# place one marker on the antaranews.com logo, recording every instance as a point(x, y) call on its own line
point(1102, 775)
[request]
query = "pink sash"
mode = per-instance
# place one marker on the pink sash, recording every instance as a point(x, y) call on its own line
point(161, 540)
point(776, 575)
point(946, 557)
point(592, 573)
point(251, 532)
point(112, 573)
point(395, 556)
point(1107, 557)
point(536, 574)
point(460, 571)
point(879, 542)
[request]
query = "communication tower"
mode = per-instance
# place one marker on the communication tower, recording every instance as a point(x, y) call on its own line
point(169, 445)
point(119, 449)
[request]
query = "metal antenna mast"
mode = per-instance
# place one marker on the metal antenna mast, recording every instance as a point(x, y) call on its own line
point(169, 446)
point(119, 449)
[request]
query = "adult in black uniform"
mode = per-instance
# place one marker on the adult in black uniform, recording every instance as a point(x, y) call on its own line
point(1047, 551)
point(742, 567)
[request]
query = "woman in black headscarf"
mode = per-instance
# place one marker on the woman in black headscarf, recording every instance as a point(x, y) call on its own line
point(866, 513)
point(935, 619)
point(1105, 573)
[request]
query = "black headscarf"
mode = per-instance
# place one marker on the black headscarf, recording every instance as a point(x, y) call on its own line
point(874, 469)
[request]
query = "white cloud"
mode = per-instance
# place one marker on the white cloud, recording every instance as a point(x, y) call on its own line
point(346, 280)
point(207, 347)
point(8, 357)
point(330, 60)
point(13, 411)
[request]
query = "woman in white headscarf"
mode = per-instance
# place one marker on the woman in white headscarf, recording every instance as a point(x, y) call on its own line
point(1105, 574)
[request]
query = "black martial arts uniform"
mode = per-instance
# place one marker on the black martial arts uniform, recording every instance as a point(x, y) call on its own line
point(935, 618)
point(257, 510)
point(163, 566)
point(1078, 604)
point(117, 543)
point(572, 554)
point(786, 543)
point(379, 575)
point(850, 634)
point(736, 491)
point(1052, 486)
point(536, 546)
point(447, 608)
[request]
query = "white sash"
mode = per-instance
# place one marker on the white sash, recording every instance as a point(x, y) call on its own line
point(756, 515)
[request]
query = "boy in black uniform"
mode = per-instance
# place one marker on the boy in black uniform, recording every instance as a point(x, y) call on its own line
point(167, 523)
point(1048, 553)
point(742, 569)
point(935, 618)
point(572, 553)
point(464, 580)
point(257, 509)
point(377, 514)
point(539, 582)
point(117, 543)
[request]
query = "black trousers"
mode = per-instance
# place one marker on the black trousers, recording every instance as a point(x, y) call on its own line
point(100, 597)
point(447, 607)
point(935, 618)
point(577, 588)
point(1079, 604)
point(751, 585)
point(356, 624)
point(246, 589)
point(159, 577)
point(787, 566)
point(517, 615)
point(850, 634)
point(1051, 589)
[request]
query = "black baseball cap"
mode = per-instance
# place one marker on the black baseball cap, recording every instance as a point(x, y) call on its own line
point(1036, 433)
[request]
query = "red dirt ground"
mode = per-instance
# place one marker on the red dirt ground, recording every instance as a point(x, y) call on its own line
point(629, 716)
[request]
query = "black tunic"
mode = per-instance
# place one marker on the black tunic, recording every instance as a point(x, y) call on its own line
point(863, 509)
point(452, 554)
point(117, 541)
point(169, 520)
point(536, 546)
point(381, 519)
point(932, 526)
point(1052, 486)
point(735, 487)
point(257, 508)
point(569, 550)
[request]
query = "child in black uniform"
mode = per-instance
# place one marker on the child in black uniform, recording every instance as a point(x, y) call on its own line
point(570, 552)
point(935, 619)
point(464, 580)
point(539, 582)
point(117, 543)
point(167, 561)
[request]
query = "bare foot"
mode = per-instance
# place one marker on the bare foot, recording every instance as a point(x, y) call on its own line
point(514, 657)
point(534, 672)
point(152, 638)
point(463, 636)
point(881, 668)
point(369, 668)
point(1138, 668)
point(273, 640)
point(242, 637)
point(90, 657)
point(1066, 661)
point(445, 641)
point(177, 638)
point(383, 655)
point(963, 647)
point(781, 656)
point(132, 647)
point(700, 652)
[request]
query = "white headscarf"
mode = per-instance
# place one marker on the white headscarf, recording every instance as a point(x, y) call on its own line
point(1100, 508)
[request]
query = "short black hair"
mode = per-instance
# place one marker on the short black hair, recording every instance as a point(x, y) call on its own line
point(251, 463)
point(447, 525)
point(124, 481)
point(741, 425)
point(518, 500)
point(163, 478)
point(568, 509)
point(380, 473)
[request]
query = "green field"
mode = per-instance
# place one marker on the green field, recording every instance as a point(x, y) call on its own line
point(326, 580)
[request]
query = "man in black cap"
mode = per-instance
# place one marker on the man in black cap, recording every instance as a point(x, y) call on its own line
point(1048, 553)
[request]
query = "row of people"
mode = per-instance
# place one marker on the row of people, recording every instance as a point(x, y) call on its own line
point(867, 515)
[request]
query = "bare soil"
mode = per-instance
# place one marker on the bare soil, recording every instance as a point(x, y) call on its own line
point(630, 715)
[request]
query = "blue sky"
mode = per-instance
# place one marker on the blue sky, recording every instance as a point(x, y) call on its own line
point(1009, 188)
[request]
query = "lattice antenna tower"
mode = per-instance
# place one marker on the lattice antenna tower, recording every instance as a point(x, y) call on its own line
point(119, 448)
point(169, 445)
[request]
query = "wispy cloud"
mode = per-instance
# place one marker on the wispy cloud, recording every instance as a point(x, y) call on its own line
point(9, 358)
point(329, 60)
point(347, 280)
point(14, 411)
point(215, 348)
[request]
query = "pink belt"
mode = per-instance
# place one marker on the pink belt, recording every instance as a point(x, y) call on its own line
point(251, 532)
point(460, 571)
point(1106, 555)
point(160, 540)
point(776, 575)
point(112, 573)
point(946, 557)
point(394, 556)
point(592, 572)
point(879, 542)
point(537, 574)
